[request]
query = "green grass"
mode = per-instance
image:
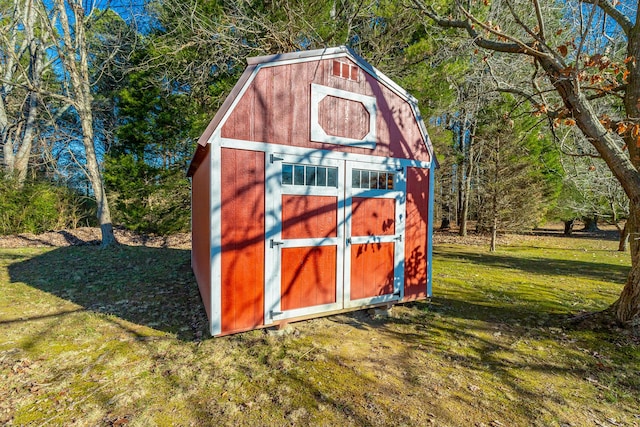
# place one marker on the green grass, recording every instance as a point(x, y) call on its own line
point(108, 337)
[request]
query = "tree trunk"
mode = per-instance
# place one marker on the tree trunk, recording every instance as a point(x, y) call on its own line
point(6, 140)
point(568, 227)
point(93, 170)
point(459, 176)
point(494, 201)
point(494, 234)
point(21, 163)
point(591, 223)
point(627, 307)
point(625, 169)
point(624, 238)
point(464, 215)
point(17, 141)
point(446, 224)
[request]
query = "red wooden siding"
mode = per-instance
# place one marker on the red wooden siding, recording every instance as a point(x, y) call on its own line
point(243, 214)
point(309, 216)
point(371, 270)
point(415, 247)
point(308, 276)
point(275, 109)
point(200, 230)
point(373, 216)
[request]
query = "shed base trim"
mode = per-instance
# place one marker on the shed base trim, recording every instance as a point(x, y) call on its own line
point(279, 323)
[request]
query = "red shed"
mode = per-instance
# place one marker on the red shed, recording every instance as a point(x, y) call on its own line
point(312, 192)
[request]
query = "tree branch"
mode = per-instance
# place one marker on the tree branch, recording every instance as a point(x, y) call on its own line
point(541, 30)
point(477, 39)
point(601, 93)
point(501, 88)
point(583, 34)
point(527, 48)
point(538, 38)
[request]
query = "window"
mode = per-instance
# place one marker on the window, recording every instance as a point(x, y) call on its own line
point(310, 176)
point(361, 178)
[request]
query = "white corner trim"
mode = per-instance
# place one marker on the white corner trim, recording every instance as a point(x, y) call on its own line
point(318, 93)
point(215, 242)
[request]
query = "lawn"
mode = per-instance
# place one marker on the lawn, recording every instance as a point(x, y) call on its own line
point(118, 337)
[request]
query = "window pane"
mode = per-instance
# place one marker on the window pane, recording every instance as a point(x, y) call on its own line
point(321, 177)
point(355, 178)
point(287, 174)
point(373, 179)
point(332, 177)
point(390, 177)
point(311, 175)
point(364, 179)
point(382, 181)
point(298, 175)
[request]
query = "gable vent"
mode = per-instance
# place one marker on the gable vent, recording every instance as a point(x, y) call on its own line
point(345, 71)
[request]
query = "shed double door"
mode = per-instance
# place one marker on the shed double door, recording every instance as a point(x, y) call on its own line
point(333, 235)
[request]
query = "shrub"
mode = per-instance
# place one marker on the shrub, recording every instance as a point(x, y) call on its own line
point(35, 207)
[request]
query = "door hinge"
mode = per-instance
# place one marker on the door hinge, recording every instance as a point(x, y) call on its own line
point(275, 159)
point(275, 243)
point(398, 238)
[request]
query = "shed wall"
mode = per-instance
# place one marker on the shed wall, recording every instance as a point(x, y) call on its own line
point(416, 234)
point(275, 109)
point(200, 229)
point(243, 218)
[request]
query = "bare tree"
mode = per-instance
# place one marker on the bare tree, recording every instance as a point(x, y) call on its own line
point(578, 80)
point(23, 44)
point(72, 49)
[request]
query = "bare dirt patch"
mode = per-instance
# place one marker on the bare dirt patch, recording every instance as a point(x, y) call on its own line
point(91, 236)
point(473, 238)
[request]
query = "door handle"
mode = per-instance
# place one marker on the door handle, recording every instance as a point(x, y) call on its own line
point(275, 243)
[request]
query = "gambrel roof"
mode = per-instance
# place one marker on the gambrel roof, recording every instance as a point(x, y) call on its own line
point(255, 64)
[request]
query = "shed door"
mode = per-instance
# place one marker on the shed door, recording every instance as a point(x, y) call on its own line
point(333, 235)
point(305, 236)
point(375, 211)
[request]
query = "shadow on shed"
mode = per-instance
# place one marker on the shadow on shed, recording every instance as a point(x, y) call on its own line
point(152, 287)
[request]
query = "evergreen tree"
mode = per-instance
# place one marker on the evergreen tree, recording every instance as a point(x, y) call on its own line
point(519, 173)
